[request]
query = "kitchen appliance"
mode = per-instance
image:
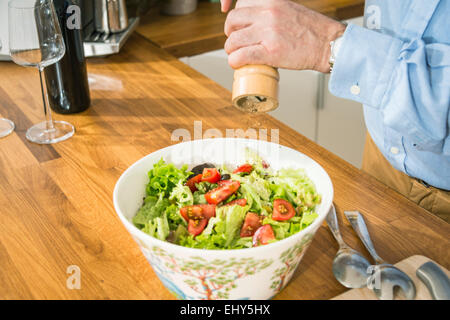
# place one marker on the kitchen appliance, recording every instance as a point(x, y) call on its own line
point(110, 16)
point(106, 26)
point(105, 23)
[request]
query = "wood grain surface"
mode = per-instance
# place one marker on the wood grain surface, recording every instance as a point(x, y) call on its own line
point(202, 30)
point(56, 206)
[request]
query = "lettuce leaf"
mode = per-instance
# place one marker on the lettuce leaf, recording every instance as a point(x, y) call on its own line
point(280, 228)
point(284, 229)
point(245, 242)
point(253, 158)
point(157, 227)
point(308, 218)
point(153, 207)
point(295, 186)
point(199, 198)
point(182, 195)
point(157, 217)
point(162, 227)
point(210, 227)
point(179, 232)
point(202, 188)
point(260, 185)
point(222, 231)
point(283, 191)
point(174, 217)
point(164, 177)
point(254, 201)
point(205, 186)
point(234, 218)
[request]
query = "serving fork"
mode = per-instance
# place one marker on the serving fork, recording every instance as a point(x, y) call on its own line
point(385, 277)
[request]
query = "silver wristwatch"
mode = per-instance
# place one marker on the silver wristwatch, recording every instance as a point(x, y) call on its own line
point(334, 46)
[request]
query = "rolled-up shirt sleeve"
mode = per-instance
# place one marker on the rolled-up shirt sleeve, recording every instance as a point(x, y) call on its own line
point(409, 81)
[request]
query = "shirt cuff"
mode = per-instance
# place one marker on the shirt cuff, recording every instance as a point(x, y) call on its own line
point(364, 65)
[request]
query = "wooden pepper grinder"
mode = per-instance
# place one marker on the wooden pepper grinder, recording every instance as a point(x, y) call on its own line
point(255, 88)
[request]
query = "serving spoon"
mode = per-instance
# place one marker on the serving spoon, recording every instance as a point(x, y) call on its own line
point(349, 266)
point(386, 277)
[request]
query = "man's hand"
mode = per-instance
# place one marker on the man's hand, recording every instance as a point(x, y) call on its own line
point(279, 33)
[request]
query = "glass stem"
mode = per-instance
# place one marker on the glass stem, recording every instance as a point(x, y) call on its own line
point(47, 110)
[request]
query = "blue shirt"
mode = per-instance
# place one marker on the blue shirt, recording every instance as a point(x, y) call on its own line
point(398, 66)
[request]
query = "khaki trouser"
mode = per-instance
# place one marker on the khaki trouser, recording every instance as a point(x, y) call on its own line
point(434, 200)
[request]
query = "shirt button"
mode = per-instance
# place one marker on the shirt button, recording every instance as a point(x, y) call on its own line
point(394, 150)
point(355, 90)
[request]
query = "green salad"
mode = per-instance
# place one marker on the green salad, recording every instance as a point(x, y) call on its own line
point(213, 207)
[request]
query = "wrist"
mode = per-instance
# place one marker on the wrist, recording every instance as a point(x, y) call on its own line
point(334, 51)
point(335, 31)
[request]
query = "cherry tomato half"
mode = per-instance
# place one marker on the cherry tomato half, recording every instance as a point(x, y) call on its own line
point(282, 210)
point(263, 235)
point(245, 168)
point(222, 192)
point(240, 202)
point(198, 212)
point(224, 182)
point(210, 175)
point(252, 222)
point(192, 181)
point(209, 210)
point(195, 227)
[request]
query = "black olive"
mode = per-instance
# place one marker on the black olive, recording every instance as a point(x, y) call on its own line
point(225, 177)
point(199, 169)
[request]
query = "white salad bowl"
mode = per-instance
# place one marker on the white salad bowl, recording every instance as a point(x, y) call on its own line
point(253, 273)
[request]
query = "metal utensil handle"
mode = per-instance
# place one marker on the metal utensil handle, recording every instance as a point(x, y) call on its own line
point(435, 279)
point(359, 225)
point(334, 227)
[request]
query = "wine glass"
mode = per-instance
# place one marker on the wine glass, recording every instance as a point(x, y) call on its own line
point(35, 40)
point(6, 126)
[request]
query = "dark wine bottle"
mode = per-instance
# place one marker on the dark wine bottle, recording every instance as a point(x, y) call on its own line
point(67, 81)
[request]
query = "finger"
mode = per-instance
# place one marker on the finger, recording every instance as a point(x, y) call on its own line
point(238, 19)
point(245, 37)
point(248, 55)
point(250, 3)
point(225, 5)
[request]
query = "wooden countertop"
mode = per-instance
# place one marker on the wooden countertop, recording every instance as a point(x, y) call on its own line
point(56, 206)
point(202, 30)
